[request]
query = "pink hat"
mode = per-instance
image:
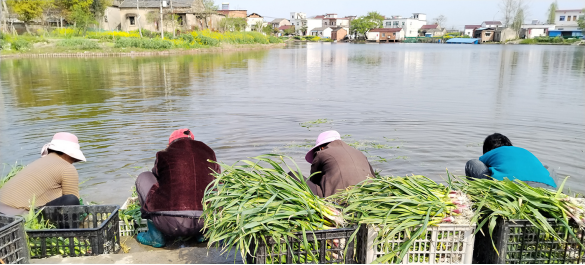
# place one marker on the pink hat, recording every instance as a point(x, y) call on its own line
point(180, 133)
point(64, 142)
point(324, 137)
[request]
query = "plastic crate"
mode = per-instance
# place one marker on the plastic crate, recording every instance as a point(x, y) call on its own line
point(331, 245)
point(519, 242)
point(81, 231)
point(128, 230)
point(13, 248)
point(445, 243)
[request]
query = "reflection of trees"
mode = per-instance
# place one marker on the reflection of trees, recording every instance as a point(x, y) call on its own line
point(74, 81)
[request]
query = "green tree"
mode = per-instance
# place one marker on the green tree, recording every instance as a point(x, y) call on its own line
point(304, 30)
point(80, 14)
point(581, 23)
point(376, 17)
point(233, 24)
point(361, 25)
point(209, 8)
point(552, 9)
point(289, 31)
point(28, 10)
point(268, 29)
point(518, 20)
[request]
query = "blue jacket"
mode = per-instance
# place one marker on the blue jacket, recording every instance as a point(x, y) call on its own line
point(516, 163)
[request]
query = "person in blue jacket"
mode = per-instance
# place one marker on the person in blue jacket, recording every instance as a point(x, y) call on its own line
point(502, 160)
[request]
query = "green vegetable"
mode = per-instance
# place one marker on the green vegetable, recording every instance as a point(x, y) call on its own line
point(247, 203)
point(13, 171)
point(517, 200)
point(401, 205)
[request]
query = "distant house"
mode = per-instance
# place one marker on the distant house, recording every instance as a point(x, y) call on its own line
point(432, 28)
point(505, 34)
point(254, 22)
point(338, 33)
point(279, 22)
point(435, 33)
point(484, 34)
point(282, 29)
point(185, 10)
point(386, 35)
point(227, 12)
point(323, 32)
point(331, 20)
point(566, 24)
point(530, 31)
point(491, 24)
point(469, 29)
point(304, 25)
point(411, 25)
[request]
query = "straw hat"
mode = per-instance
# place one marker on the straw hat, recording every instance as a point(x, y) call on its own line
point(64, 142)
point(324, 137)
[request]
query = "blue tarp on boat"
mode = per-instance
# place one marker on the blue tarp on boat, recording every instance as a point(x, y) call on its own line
point(463, 41)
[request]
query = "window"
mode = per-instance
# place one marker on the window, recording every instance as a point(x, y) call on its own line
point(180, 20)
point(388, 23)
point(325, 23)
point(383, 34)
point(403, 23)
point(562, 18)
point(298, 24)
point(569, 18)
point(488, 34)
point(132, 21)
point(394, 34)
point(396, 23)
point(574, 18)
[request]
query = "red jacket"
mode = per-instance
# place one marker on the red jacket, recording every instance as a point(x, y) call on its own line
point(183, 173)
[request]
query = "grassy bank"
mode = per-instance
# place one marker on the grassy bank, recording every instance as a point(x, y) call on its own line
point(549, 40)
point(63, 41)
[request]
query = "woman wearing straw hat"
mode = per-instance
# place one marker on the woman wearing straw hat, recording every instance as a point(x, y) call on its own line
point(52, 179)
point(339, 165)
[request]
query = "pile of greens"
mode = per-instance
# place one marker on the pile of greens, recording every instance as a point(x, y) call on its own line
point(398, 206)
point(250, 202)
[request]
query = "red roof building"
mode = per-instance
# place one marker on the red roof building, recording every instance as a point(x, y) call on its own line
point(435, 26)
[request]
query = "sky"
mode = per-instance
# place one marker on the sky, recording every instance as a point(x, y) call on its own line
point(458, 12)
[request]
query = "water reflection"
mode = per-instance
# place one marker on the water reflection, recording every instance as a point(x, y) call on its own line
point(437, 101)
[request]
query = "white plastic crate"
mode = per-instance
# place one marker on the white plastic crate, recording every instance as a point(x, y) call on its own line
point(443, 244)
point(128, 230)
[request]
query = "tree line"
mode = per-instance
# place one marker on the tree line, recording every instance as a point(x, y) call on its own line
point(81, 13)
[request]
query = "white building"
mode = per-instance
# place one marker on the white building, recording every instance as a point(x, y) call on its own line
point(530, 31)
point(469, 29)
point(254, 22)
point(410, 25)
point(300, 21)
point(491, 24)
point(566, 24)
point(331, 20)
point(323, 32)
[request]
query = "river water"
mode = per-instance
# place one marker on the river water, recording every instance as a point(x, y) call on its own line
point(415, 108)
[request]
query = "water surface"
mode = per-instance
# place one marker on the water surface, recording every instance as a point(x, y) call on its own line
point(416, 108)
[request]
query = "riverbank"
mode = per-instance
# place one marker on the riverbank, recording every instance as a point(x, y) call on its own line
point(68, 43)
point(120, 52)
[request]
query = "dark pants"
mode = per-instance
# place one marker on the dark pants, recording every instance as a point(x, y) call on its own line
point(476, 169)
point(170, 223)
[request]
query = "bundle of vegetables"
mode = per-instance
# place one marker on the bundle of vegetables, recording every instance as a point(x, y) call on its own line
point(512, 200)
point(132, 216)
point(248, 203)
point(395, 205)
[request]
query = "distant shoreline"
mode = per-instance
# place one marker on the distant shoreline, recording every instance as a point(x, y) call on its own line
point(141, 52)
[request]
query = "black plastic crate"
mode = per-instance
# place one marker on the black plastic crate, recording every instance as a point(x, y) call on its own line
point(328, 246)
point(519, 242)
point(86, 230)
point(13, 248)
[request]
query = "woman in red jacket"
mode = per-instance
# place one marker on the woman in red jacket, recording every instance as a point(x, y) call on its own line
point(171, 195)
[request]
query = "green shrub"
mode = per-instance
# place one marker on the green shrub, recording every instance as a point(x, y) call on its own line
point(155, 44)
point(21, 45)
point(2, 43)
point(206, 40)
point(528, 41)
point(78, 44)
point(187, 37)
point(273, 39)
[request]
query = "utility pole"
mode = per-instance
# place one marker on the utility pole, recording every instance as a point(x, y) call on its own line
point(162, 34)
point(138, 18)
point(173, 18)
point(4, 9)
